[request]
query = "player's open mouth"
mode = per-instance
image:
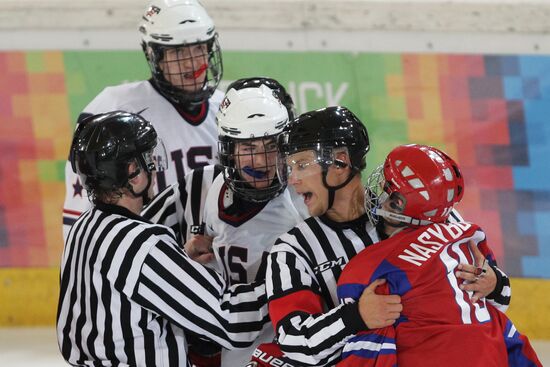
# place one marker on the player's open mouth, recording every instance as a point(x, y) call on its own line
point(307, 197)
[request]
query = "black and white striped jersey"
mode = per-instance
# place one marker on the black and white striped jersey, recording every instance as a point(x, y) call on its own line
point(303, 269)
point(302, 274)
point(242, 232)
point(181, 205)
point(129, 295)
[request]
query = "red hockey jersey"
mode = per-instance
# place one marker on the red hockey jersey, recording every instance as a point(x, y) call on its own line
point(439, 325)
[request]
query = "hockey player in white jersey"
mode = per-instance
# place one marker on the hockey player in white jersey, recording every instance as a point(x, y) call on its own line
point(246, 207)
point(181, 47)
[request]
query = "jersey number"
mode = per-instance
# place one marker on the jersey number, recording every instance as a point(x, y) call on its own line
point(192, 162)
point(451, 258)
point(233, 259)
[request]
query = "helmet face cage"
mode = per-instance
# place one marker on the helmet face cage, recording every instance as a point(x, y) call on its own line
point(249, 121)
point(186, 73)
point(375, 194)
point(251, 167)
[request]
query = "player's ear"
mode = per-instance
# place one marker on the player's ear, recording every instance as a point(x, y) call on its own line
point(134, 177)
point(341, 161)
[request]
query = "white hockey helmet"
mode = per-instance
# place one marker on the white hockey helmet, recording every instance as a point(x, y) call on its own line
point(180, 23)
point(246, 115)
point(251, 113)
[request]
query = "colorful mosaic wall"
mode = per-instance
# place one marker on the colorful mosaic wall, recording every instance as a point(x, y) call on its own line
point(488, 112)
point(34, 135)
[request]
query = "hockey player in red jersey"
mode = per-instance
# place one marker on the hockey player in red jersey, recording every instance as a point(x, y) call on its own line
point(441, 323)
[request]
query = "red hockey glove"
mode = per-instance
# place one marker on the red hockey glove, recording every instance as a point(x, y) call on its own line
point(198, 360)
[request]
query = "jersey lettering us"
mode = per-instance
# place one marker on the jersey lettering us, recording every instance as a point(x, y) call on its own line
point(242, 240)
point(188, 144)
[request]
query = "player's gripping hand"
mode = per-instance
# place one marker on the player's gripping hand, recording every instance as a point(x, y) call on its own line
point(268, 355)
point(480, 277)
point(199, 248)
point(378, 311)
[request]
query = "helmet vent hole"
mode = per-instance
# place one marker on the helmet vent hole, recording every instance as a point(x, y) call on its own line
point(450, 195)
point(425, 194)
point(406, 172)
point(431, 213)
point(256, 115)
point(448, 174)
point(416, 183)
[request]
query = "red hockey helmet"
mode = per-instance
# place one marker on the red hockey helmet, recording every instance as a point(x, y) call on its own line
point(428, 180)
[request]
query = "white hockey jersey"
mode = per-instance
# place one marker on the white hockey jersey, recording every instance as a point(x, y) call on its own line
point(189, 144)
point(244, 232)
point(243, 235)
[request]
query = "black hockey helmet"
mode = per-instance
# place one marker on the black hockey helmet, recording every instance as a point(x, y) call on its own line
point(278, 88)
point(325, 129)
point(103, 146)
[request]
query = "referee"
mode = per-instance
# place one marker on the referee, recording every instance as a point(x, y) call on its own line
point(129, 295)
point(325, 154)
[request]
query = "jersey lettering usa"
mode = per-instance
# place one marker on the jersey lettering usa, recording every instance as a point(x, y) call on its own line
point(243, 236)
point(189, 145)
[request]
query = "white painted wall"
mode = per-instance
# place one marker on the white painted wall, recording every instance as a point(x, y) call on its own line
point(481, 26)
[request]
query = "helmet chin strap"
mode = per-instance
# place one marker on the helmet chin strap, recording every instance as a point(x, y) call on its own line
point(404, 220)
point(143, 193)
point(332, 189)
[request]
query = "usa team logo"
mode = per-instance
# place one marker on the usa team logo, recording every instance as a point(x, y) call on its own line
point(225, 103)
point(152, 11)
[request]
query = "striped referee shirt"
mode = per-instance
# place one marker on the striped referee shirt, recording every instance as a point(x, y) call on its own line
point(181, 205)
point(301, 281)
point(129, 295)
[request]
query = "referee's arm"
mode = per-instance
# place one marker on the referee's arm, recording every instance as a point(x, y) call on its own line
point(307, 334)
point(167, 208)
point(197, 299)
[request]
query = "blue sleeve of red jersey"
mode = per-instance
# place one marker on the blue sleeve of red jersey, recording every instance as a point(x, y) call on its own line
point(373, 348)
point(520, 351)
